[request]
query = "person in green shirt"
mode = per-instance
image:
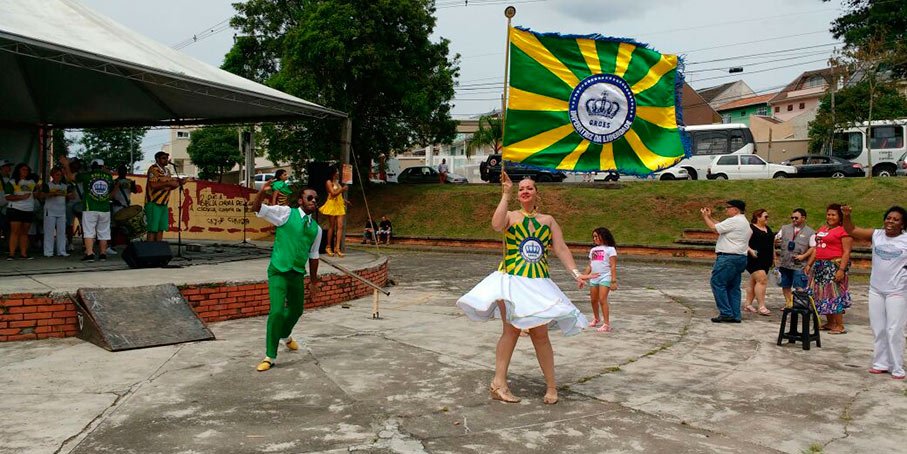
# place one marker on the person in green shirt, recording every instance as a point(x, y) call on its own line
point(281, 188)
point(296, 241)
point(96, 187)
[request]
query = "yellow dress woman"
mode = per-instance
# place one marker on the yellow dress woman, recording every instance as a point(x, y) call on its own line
point(335, 210)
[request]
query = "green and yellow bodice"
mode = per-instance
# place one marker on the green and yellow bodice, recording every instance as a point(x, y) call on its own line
point(526, 252)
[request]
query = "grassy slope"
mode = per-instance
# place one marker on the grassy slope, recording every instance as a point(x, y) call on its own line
point(645, 212)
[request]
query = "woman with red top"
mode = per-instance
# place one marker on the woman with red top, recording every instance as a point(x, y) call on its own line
point(827, 270)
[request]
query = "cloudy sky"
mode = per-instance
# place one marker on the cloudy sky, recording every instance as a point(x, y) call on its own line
point(772, 40)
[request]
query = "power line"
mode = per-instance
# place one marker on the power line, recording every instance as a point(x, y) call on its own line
point(202, 34)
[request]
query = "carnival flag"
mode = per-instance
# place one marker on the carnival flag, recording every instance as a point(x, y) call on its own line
point(589, 103)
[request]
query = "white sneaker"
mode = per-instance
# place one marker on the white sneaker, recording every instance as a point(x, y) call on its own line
point(63, 254)
point(111, 251)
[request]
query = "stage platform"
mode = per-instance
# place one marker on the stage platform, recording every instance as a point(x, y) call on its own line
point(37, 297)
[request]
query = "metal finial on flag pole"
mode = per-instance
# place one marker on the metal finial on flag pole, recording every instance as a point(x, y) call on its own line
point(509, 12)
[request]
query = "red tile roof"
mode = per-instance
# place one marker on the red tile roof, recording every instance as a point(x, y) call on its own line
point(761, 99)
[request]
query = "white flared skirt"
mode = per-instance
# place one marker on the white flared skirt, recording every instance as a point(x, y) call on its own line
point(530, 302)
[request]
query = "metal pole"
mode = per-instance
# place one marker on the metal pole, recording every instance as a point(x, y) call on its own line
point(346, 137)
point(509, 12)
point(354, 275)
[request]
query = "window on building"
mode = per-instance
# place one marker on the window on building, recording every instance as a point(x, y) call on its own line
point(802, 105)
point(725, 118)
point(790, 107)
point(777, 109)
point(813, 81)
point(762, 110)
point(885, 137)
point(182, 134)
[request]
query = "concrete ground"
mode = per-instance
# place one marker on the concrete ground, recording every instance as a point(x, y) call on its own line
point(666, 380)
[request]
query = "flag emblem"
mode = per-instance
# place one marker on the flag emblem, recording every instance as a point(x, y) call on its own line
point(602, 108)
point(591, 103)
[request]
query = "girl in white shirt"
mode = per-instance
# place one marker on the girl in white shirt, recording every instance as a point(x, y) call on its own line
point(602, 261)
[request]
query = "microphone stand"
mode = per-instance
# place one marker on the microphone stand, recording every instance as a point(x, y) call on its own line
point(179, 222)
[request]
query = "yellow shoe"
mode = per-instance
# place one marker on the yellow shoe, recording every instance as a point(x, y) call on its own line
point(339, 253)
point(292, 344)
point(329, 252)
point(264, 365)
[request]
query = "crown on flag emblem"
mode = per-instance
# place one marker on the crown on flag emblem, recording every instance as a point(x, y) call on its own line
point(602, 107)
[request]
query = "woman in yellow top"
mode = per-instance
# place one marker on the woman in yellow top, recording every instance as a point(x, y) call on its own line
point(335, 210)
point(521, 292)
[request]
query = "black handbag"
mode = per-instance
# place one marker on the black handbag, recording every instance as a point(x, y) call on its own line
point(802, 300)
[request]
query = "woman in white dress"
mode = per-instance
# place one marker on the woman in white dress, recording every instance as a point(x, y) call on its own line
point(520, 291)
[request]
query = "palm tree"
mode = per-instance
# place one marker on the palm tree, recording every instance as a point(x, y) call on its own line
point(490, 132)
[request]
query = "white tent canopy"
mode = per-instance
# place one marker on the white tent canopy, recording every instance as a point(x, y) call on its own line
point(67, 66)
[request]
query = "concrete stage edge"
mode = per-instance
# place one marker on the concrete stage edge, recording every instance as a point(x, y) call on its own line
point(43, 306)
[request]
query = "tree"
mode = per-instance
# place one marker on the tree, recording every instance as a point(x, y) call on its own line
point(851, 108)
point(116, 146)
point(490, 133)
point(872, 60)
point(373, 60)
point(61, 144)
point(214, 150)
point(867, 21)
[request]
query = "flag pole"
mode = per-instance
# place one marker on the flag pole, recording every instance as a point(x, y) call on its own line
point(509, 12)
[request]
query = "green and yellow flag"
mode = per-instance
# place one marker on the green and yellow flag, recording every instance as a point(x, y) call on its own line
point(589, 103)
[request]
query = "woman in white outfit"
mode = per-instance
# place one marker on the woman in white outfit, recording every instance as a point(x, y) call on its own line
point(887, 289)
point(520, 291)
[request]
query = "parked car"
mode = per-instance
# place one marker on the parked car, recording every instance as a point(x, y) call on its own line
point(426, 174)
point(672, 173)
point(746, 167)
point(813, 165)
point(259, 180)
point(490, 171)
point(902, 166)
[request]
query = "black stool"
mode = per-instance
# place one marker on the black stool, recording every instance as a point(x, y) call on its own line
point(803, 335)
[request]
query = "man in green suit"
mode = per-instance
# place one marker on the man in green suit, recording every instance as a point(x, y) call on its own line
point(296, 242)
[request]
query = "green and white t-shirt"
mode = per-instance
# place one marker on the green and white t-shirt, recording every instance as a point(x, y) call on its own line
point(97, 186)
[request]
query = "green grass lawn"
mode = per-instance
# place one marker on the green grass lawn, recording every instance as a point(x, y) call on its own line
point(643, 212)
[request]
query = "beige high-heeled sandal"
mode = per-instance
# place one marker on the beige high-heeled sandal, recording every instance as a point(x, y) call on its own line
point(503, 394)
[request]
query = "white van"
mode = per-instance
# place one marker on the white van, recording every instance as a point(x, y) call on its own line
point(391, 171)
point(708, 141)
point(887, 142)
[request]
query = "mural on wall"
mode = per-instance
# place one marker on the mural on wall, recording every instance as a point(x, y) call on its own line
point(206, 210)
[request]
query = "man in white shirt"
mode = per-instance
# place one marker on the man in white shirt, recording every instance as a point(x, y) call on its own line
point(733, 240)
point(442, 171)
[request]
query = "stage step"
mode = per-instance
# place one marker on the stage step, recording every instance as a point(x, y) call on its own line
point(137, 317)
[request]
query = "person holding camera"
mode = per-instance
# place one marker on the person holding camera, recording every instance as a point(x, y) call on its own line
point(794, 242)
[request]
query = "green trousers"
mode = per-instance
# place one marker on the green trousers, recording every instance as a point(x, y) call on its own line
point(287, 295)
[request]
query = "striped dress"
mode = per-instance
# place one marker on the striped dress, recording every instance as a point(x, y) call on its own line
point(532, 299)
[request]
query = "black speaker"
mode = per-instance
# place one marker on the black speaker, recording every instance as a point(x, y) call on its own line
point(147, 254)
